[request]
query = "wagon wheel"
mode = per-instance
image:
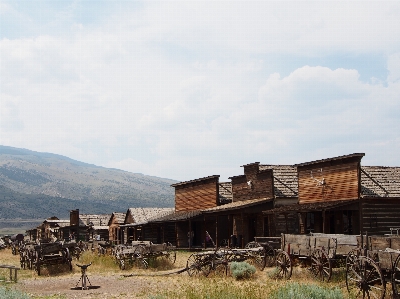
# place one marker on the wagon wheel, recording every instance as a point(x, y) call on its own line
point(171, 254)
point(396, 277)
point(140, 257)
point(22, 260)
point(283, 265)
point(77, 253)
point(31, 260)
point(321, 265)
point(364, 279)
point(257, 258)
point(270, 255)
point(122, 264)
point(198, 265)
point(37, 267)
point(352, 257)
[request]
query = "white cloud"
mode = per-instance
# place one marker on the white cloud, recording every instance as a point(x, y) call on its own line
point(185, 89)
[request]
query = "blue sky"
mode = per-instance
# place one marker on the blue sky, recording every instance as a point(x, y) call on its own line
point(188, 89)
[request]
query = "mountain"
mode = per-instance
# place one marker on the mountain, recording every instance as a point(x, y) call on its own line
point(34, 184)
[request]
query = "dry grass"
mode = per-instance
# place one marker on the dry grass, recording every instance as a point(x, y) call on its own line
point(177, 285)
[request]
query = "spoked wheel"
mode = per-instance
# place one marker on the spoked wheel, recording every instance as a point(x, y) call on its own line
point(140, 259)
point(122, 264)
point(22, 260)
point(257, 258)
point(352, 257)
point(396, 277)
point(198, 265)
point(283, 265)
point(171, 254)
point(270, 256)
point(364, 279)
point(37, 267)
point(321, 265)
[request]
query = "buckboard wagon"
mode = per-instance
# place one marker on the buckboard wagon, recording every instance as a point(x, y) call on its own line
point(319, 251)
point(52, 254)
point(373, 264)
point(139, 253)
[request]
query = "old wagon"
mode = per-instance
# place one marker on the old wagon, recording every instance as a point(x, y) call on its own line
point(202, 263)
point(27, 255)
point(140, 252)
point(52, 254)
point(318, 251)
point(373, 264)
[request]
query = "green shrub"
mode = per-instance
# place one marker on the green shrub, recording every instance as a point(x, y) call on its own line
point(306, 291)
point(242, 270)
point(8, 293)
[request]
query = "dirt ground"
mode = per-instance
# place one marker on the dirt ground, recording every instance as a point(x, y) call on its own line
point(103, 286)
point(57, 282)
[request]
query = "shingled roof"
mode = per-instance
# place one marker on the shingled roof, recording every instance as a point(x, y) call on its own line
point(177, 216)
point(237, 205)
point(94, 219)
point(119, 217)
point(143, 215)
point(310, 207)
point(379, 181)
point(225, 192)
point(285, 180)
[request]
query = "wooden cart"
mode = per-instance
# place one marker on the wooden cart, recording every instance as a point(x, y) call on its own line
point(52, 254)
point(373, 264)
point(218, 260)
point(318, 251)
point(139, 252)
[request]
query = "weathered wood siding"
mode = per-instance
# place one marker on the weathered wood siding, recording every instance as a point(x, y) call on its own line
point(113, 229)
point(341, 181)
point(197, 195)
point(254, 184)
point(379, 215)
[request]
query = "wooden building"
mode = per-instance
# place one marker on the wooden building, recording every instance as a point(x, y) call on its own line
point(85, 227)
point(339, 196)
point(230, 211)
point(380, 199)
point(49, 229)
point(135, 224)
point(115, 234)
point(183, 225)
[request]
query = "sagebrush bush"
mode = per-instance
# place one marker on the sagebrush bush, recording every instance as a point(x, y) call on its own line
point(8, 293)
point(242, 270)
point(306, 291)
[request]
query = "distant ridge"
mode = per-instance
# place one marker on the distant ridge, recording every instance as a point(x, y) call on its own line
point(42, 181)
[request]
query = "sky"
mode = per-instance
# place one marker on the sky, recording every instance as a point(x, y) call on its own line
point(188, 89)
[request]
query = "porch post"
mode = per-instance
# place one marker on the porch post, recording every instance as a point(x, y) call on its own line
point(216, 230)
point(190, 234)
